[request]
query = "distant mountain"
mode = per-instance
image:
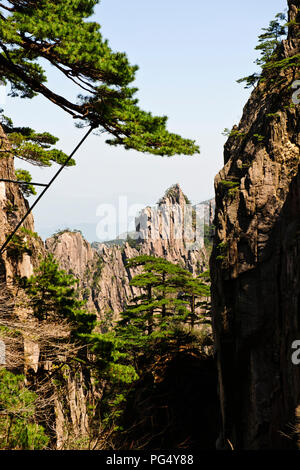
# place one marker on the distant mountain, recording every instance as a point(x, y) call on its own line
point(101, 267)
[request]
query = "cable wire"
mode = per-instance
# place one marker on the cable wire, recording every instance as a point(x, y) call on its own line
point(44, 190)
point(23, 182)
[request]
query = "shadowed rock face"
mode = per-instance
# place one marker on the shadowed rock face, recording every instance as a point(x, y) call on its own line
point(178, 409)
point(101, 269)
point(255, 266)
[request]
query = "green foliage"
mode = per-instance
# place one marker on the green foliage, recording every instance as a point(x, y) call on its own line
point(85, 293)
point(18, 246)
point(159, 320)
point(159, 280)
point(259, 137)
point(97, 273)
point(32, 147)
point(18, 429)
point(223, 245)
point(61, 231)
point(108, 361)
point(222, 249)
point(250, 80)
point(29, 233)
point(53, 296)
point(233, 133)
point(270, 39)
point(208, 237)
point(27, 189)
point(152, 321)
point(270, 57)
point(60, 33)
point(241, 135)
point(229, 184)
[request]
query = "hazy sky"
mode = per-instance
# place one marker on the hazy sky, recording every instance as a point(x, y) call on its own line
point(190, 55)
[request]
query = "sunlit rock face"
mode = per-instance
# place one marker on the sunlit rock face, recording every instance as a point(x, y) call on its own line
point(255, 266)
point(101, 268)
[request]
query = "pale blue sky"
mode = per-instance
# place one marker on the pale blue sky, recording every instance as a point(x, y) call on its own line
point(190, 55)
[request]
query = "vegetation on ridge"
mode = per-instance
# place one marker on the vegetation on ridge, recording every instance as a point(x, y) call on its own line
point(271, 59)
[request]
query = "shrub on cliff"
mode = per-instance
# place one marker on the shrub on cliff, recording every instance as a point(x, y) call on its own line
point(270, 54)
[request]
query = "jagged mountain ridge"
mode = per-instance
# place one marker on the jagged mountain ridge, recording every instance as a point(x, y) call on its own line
point(101, 268)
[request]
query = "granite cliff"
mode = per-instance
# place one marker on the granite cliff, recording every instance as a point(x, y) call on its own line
point(101, 268)
point(255, 263)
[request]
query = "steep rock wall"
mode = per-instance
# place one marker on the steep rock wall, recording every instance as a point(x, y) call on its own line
point(255, 265)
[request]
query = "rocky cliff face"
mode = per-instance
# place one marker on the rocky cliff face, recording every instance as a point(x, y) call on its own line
point(101, 269)
point(255, 264)
point(22, 253)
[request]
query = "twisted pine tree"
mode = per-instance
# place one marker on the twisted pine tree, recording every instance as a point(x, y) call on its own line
point(33, 147)
point(59, 31)
point(168, 298)
point(272, 58)
point(268, 44)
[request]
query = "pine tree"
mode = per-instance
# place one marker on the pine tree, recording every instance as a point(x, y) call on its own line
point(168, 299)
point(53, 296)
point(32, 147)
point(150, 326)
point(60, 33)
point(158, 301)
point(18, 429)
point(196, 292)
point(24, 175)
point(268, 45)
